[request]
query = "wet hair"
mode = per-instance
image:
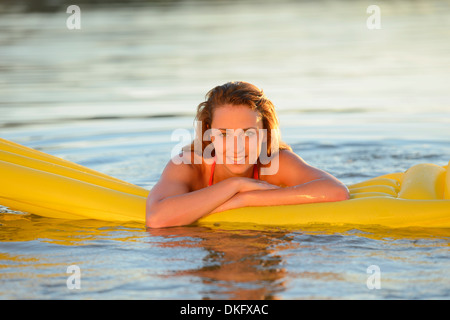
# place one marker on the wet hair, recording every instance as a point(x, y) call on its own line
point(238, 93)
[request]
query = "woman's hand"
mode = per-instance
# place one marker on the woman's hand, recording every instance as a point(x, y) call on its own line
point(244, 185)
point(237, 201)
point(249, 184)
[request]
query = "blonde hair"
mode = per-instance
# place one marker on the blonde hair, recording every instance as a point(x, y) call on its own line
point(238, 93)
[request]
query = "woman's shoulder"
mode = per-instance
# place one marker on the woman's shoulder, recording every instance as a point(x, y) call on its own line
point(289, 156)
point(186, 161)
point(188, 166)
point(282, 166)
point(285, 158)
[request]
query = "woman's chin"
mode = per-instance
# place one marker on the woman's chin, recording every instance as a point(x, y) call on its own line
point(236, 161)
point(238, 167)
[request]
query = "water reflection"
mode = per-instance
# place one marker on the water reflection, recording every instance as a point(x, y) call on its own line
point(17, 227)
point(270, 264)
point(125, 261)
point(240, 264)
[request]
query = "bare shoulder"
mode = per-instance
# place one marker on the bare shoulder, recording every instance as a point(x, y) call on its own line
point(178, 177)
point(183, 167)
point(291, 169)
point(289, 159)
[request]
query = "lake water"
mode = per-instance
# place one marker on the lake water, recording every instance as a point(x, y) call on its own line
point(355, 102)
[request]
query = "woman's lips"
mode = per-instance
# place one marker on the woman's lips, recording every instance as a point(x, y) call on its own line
point(236, 160)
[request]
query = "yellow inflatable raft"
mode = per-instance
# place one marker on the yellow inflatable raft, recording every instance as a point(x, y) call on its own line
point(45, 185)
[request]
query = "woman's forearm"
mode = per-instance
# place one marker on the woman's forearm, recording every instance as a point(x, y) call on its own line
point(186, 208)
point(320, 190)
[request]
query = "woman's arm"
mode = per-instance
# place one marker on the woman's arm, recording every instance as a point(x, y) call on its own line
point(320, 190)
point(171, 201)
point(305, 184)
point(309, 192)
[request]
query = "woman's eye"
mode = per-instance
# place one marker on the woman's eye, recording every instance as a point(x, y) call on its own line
point(218, 134)
point(221, 134)
point(231, 133)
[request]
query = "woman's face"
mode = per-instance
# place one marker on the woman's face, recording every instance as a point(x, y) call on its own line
point(236, 137)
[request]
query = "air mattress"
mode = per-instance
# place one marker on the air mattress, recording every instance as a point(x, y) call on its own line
point(38, 183)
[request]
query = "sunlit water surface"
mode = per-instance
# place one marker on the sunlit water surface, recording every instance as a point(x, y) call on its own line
point(354, 102)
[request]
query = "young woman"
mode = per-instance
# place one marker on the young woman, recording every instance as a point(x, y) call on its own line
point(236, 160)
